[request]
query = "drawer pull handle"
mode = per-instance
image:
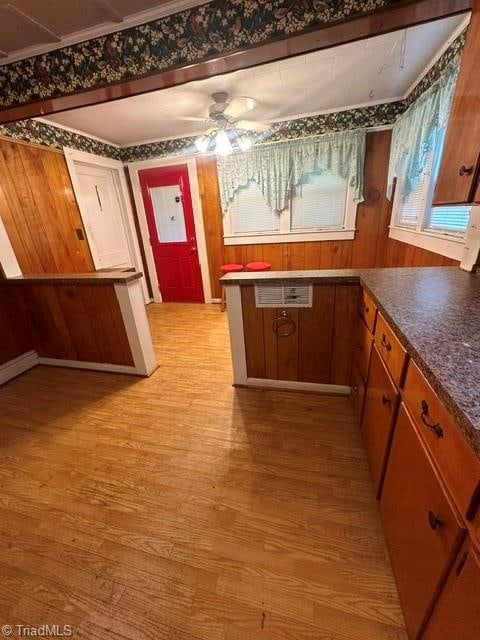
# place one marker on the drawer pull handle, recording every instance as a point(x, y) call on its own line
point(385, 399)
point(436, 428)
point(434, 522)
point(366, 308)
point(465, 171)
point(359, 345)
point(385, 343)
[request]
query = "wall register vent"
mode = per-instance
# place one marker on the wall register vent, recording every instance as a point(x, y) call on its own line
point(268, 295)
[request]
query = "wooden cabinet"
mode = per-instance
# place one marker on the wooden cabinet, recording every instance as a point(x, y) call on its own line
point(381, 400)
point(459, 171)
point(422, 528)
point(393, 353)
point(427, 480)
point(367, 310)
point(358, 391)
point(362, 349)
point(456, 615)
point(445, 442)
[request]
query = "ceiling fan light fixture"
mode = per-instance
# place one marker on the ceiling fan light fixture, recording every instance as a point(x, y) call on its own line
point(223, 146)
point(202, 144)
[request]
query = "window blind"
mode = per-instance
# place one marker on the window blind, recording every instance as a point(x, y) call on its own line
point(250, 212)
point(453, 219)
point(319, 202)
point(412, 207)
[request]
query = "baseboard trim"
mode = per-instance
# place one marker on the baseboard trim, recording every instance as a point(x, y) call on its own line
point(92, 366)
point(290, 385)
point(17, 366)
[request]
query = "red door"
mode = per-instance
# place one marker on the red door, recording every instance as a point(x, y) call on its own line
point(168, 205)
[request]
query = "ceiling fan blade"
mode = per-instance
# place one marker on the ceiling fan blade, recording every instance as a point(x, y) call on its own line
point(251, 125)
point(239, 105)
point(192, 119)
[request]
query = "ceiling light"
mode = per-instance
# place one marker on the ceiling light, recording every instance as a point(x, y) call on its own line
point(222, 144)
point(244, 143)
point(202, 144)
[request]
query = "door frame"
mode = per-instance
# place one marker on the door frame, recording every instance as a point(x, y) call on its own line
point(71, 157)
point(133, 169)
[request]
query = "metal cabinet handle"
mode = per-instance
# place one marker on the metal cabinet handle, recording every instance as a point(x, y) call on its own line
point(366, 308)
point(465, 171)
point(434, 522)
point(436, 428)
point(385, 343)
point(385, 400)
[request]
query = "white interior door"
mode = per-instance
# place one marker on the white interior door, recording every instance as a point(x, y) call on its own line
point(102, 216)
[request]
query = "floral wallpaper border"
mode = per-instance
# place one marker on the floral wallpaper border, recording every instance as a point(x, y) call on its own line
point(215, 28)
point(363, 117)
point(52, 136)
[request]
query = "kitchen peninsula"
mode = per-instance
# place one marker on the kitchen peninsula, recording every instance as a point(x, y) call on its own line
point(405, 343)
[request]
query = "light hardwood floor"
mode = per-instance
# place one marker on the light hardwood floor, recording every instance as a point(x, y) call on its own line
point(179, 508)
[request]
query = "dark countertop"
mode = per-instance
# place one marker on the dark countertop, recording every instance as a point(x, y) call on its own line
point(94, 278)
point(435, 312)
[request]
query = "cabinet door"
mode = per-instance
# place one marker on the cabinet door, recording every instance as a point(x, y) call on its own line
point(367, 310)
point(362, 349)
point(457, 613)
point(422, 530)
point(358, 392)
point(458, 174)
point(381, 402)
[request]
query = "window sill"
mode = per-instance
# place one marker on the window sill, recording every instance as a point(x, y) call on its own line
point(292, 236)
point(448, 246)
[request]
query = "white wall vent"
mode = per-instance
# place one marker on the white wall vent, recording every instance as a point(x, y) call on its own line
point(280, 295)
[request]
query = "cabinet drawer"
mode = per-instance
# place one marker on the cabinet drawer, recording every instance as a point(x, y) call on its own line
point(367, 310)
point(422, 529)
point(458, 465)
point(358, 391)
point(362, 349)
point(381, 401)
point(390, 349)
point(457, 613)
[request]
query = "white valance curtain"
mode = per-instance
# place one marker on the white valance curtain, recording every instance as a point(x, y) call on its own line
point(415, 131)
point(278, 168)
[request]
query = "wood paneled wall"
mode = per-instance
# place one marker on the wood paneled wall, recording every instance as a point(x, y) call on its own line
point(371, 247)
point(39, 210)
point(81, 322)
point(319, 347)
point(15, 331)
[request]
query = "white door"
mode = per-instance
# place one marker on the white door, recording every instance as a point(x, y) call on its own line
point(102, 216)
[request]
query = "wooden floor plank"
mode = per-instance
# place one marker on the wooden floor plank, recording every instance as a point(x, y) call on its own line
point(180, 508)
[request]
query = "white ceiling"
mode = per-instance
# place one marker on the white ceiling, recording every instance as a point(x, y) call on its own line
point(28, 27)
point(365, 72)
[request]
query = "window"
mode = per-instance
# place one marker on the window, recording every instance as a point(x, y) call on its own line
point(250, 213)
point(322, 208)
point(416, 221)
point(319, 203)
point(452, 219)
point(410, 208)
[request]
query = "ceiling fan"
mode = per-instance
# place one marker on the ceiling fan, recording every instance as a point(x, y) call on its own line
point(224, 115)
